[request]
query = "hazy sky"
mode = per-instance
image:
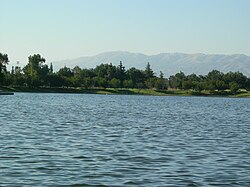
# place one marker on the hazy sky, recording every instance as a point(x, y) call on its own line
point(63, 29)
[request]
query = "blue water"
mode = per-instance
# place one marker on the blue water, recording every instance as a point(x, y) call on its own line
point(117, 140)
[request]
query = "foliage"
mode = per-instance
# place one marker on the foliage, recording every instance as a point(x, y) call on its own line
point(36, 71)
point(3, 62)
point(38, 74)
point(234, 87)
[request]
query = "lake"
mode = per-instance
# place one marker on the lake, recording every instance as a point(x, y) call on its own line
point(119, 140)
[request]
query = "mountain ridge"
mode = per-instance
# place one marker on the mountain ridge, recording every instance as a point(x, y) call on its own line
point(168, 63)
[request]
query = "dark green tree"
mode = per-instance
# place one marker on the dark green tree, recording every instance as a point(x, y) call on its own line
point(160, 83)
point(128, 83)
point(188, 84)
point(18, 76)
point(136, 76)
point(121, 73)
point(236, 77)
point(215, 75)
point(150, 82)
point(149, 73)
point(51, 68)
point(179, 78)
point(3, 62)
point(234, 87)
point(65, 72)
point(66, 75)
point(248, 84)
point(173, 82)
point(115, 83)
point(36, 70)
point(220, 85)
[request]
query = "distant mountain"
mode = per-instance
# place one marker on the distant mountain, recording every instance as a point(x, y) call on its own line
point(168, 63)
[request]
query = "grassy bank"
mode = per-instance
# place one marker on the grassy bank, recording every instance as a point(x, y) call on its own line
point(128, 91)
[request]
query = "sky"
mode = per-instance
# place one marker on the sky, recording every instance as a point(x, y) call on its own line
point(65, 29)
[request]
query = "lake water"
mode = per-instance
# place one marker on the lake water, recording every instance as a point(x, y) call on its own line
point(118, 140)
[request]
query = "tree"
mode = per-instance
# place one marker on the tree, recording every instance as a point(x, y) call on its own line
point(248, 84)
point(173, 82)
point(77, 76)
point(65, 72)
point(214, 75)
point(186, 85)
point(148, 72)
point(111, 71)
point(101, 70)
point(150, 83)
point(220, 85)
point(161, 75)
point(115, 83)
point(121, 73)
point(17, 76)
point(198, 86)
point(66, 75)
point(179, 78)
point(88, 82)
point(37, 73)
point(236, 77)
point(209, 85)
point(128, 83)
point(51, 68)
point(193, 77)
point(136, 76)
point(88, 73)
point(102, 82)
point(36, 70)
point(3, 62)
point(160, 83)
point(55, 80)
point(234, 87)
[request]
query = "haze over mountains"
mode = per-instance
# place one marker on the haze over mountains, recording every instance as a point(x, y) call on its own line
point(168, 63)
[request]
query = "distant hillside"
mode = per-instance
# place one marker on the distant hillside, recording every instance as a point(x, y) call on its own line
point(168, 63)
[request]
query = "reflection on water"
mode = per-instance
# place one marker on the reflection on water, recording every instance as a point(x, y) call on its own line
point(112, 140)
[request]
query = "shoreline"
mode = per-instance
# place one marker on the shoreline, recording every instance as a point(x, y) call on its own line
point(128, 91)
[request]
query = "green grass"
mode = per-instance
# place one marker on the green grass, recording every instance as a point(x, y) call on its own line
point(243, 94)
point(134, 91)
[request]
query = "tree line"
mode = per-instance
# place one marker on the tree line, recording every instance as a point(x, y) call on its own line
point(38, 74)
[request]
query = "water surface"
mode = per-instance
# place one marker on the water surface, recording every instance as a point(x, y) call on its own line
point(117, 140)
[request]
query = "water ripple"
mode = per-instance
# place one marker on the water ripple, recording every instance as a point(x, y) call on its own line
point(98, 140)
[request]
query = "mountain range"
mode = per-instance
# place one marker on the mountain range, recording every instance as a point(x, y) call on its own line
point(168, 63)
